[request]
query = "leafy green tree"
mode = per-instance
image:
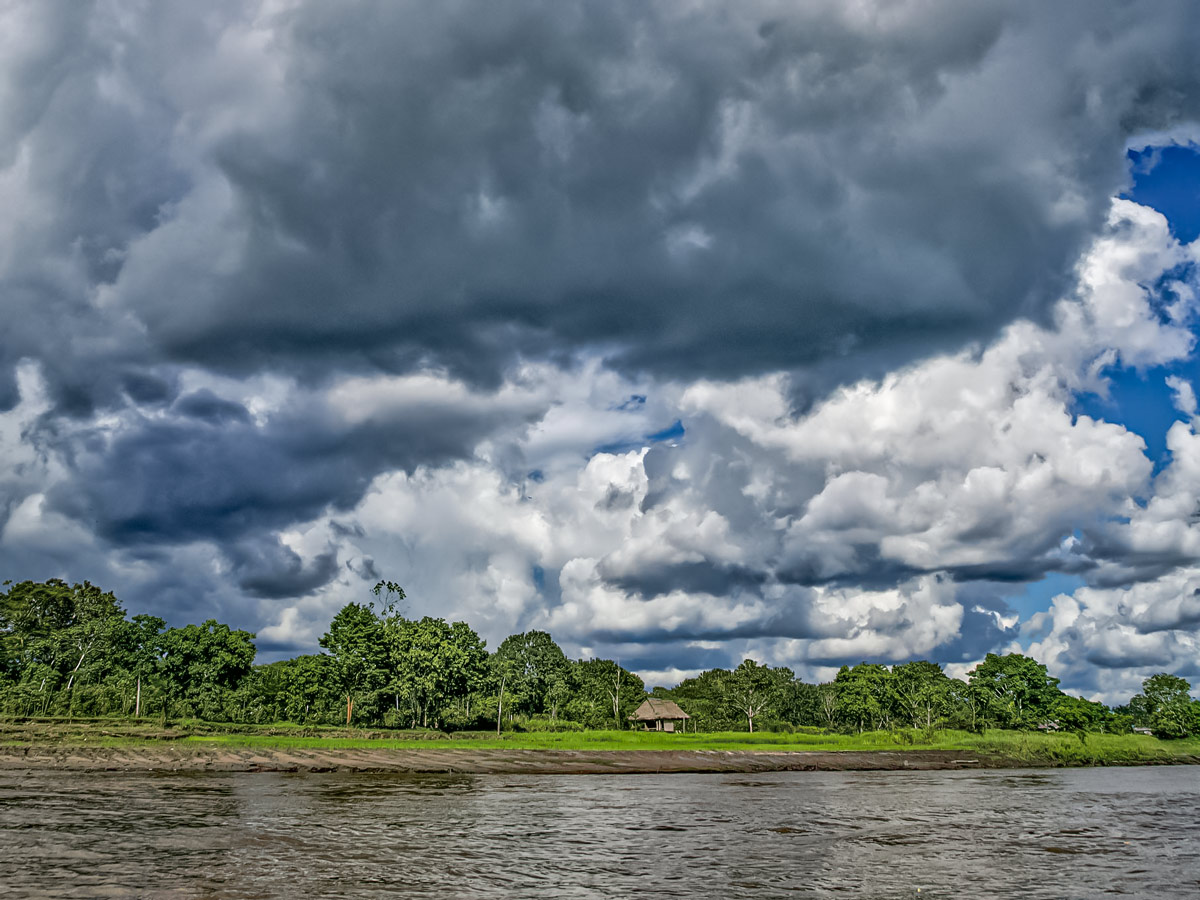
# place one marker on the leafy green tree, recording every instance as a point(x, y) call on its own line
point(309, 690)
point(32, 615)
point(827, 704)
point(202, 663)
point(752, 689)
point(434, 663)
point(922, 692)
point(58, 634)
point(1018, 691)
point(865, 695)
point(1166, 707)
point(1137, 710)
point(706, 700)
point(469, 659)
point(966, 705)
point(799, 702)
point(141, 654)
point(537, 673)
point(1079, 716)
point(506, 675)
point(94, 627)
point(357, 642)
point(602, 694)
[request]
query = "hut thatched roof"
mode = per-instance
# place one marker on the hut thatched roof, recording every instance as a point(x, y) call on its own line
point(654, 709)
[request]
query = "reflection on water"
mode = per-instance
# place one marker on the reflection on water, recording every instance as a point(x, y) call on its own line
point(1076, 833)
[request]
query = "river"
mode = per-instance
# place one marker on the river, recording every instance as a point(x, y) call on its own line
point(1029, 834)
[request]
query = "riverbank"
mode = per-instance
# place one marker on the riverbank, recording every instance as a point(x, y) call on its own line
point(203, 747)
point(198, 758)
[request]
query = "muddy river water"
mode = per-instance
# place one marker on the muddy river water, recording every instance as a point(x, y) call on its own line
point(1029, 834)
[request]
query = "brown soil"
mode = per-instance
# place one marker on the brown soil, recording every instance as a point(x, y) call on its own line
point(181, 758)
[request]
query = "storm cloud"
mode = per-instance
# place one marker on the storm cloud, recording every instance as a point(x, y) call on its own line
point(704, 190)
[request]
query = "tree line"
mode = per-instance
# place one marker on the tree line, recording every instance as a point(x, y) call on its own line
point(74, 650)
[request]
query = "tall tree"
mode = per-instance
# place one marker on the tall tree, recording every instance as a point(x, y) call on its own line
point(1166, 706)
point(142, 653)
point(202, 663)
point(507, 677)
point(865, 695)
point(1079, 716)
point(59, 633)
point(827, 698)
point(706, 699)
point(433, 662)
point(358, 645)
point(603, 694)
point(310, 690)
point(537, 672)
point(967, 704)
point(752, 689)
point(1019, 692)
point(922, 691)
point(799, 701)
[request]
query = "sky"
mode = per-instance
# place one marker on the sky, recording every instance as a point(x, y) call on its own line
point(819, 332)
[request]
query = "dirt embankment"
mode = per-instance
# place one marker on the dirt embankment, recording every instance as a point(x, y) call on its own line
point(192, 758)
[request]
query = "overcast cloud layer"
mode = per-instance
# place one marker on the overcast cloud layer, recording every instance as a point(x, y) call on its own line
point(681, 330)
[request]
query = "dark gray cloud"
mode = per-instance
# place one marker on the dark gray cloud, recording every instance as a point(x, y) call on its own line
point(694, 577)
point(266, 568)
point(709, 190)
point(209, 472)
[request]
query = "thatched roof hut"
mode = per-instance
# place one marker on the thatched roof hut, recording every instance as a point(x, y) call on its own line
point(659, 715)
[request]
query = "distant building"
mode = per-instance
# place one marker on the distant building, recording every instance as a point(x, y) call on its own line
point(659, 715)
point(1138, 729)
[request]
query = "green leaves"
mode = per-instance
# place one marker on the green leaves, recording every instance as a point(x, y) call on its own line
point(432, 662)
point(60, 635)
point(752, 689)
point(922, 692)
point(865, 695)
point(70, 649)
point(601, 694)
point(1017, 691)
point(535, 671)
point(202, 663)
point(1166, 707)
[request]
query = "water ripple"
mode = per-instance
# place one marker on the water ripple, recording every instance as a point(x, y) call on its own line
point(1047, 834)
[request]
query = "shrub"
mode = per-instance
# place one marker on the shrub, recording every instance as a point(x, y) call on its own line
point(542, 724)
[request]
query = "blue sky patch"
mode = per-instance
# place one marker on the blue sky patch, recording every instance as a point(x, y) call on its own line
point(1166, 179)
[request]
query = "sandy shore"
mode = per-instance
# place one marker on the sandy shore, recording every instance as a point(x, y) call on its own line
point(480, 761)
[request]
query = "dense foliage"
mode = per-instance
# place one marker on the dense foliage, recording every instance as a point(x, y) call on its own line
point(73, 650)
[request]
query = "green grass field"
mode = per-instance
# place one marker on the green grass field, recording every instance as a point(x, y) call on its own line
point(1099, 748)
point(1034, 748)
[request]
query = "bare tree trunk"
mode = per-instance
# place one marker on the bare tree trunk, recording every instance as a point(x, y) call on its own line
point(137, 706)
point(71, 680)
point(616, 695)
point(349, 709)
point(500, 707)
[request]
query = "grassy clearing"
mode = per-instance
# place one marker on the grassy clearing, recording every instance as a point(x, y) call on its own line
point(1031, 748)
point(1034, 749)
point(1099, 749)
